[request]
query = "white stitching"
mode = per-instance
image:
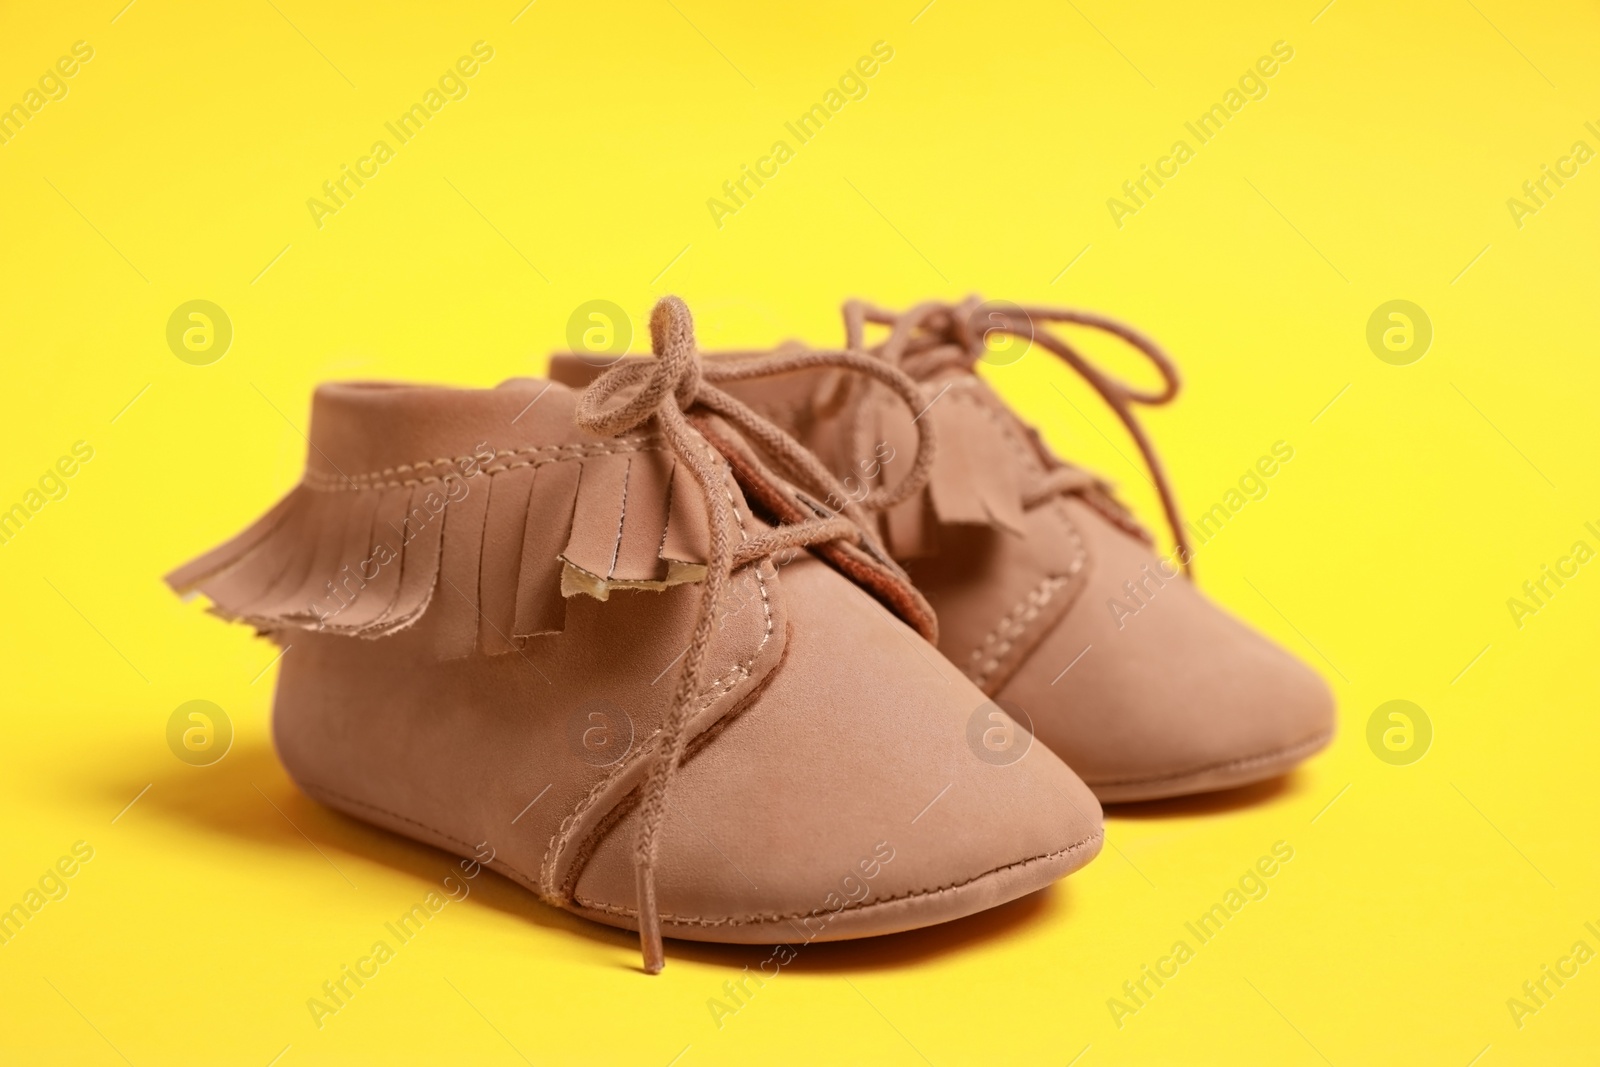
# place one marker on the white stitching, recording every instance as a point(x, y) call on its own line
point(560, 840)
point(1013, 625)
point(1016, 621)
point(322, 481)
point(622, 519)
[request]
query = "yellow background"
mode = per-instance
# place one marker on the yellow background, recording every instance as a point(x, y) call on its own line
point(1378, 167)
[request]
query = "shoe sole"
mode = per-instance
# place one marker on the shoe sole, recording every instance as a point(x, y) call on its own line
point(908, 911)
point(892, 915)
point(1218, 776)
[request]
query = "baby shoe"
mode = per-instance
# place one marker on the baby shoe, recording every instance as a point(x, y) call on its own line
point(614, 642)
point(1050, 597)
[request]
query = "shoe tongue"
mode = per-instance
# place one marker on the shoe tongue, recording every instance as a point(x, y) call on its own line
point(788, 504)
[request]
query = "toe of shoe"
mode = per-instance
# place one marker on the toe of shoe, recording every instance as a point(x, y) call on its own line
point(1175, 695)
point(869, 788)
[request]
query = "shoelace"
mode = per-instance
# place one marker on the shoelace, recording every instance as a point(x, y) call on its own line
point(932, 337)
point(667, 387)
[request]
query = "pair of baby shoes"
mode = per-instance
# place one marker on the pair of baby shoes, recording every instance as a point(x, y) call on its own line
point(758, 647)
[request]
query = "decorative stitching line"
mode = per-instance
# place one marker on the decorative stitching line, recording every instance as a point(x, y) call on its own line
point(583, 851)
point(622, 520)
point(1013, 625)
point(1016, 621)
point(325, 482)
point(561, 840)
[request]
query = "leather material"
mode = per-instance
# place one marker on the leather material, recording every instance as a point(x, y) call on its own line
point(1171, 694)
point(828, 731)
point(1174, 697)
point(805, 782)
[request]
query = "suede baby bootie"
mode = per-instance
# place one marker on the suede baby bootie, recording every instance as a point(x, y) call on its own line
point(616, 638)
point(1050, 597)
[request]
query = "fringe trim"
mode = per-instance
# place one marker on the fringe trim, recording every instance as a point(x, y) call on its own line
point(493, 544)
point(976, 477)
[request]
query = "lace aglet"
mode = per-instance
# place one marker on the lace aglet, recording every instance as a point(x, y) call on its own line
point(655, 958)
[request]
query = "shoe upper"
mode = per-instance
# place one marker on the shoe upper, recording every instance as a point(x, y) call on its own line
point(485, 609)
point(1050, 597)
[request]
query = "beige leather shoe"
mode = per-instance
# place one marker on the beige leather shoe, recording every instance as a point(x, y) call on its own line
point(1049, 595)
point(635, 661)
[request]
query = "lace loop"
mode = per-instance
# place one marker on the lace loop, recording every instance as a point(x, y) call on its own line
point(933, 336)
point(675, 370)
point(667, 388)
